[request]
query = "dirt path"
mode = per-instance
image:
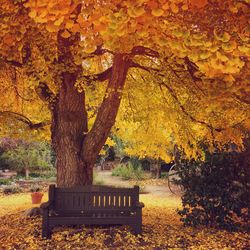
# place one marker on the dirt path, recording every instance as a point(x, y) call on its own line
point(159, 190)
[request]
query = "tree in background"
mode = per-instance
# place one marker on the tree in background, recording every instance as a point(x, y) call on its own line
point(189, 58)
point(27, 157)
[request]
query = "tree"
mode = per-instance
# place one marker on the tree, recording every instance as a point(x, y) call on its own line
point(63, 49)
point(26, 157)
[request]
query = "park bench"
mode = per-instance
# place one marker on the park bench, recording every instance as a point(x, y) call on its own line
point(91, 205)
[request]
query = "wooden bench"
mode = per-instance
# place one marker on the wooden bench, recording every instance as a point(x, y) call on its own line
point(92, 205)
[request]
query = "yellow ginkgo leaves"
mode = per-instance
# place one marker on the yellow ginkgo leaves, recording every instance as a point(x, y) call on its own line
point(157, 12)
point(65, 34)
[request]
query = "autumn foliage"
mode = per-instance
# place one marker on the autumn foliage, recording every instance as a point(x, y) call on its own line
point(162, 230)
point(176, 70)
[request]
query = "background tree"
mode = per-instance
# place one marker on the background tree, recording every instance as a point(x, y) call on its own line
point(62, 49)
point(27, 157)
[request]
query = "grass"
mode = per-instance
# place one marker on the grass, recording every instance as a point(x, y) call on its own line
point(128, 172)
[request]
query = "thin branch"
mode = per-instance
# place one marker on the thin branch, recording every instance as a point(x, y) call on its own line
point(192, 69)
point(24, 119)
point(241, 99)
point(14, 83)
point(98, 52)
point(103, 76)
point(141, 50)
point(171, 91)
point(137, 65)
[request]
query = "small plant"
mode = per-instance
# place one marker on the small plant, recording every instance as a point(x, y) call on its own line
point(12, 190)
point(36, 195)
point(5, 181)
point(35, 188)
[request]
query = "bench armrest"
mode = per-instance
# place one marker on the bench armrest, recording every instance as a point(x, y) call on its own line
point(46, 205)
point(139, 205)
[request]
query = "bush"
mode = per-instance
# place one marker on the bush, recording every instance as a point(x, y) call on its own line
point(12, 190)
point(128, 172)
point(48, 174)
point(216, 192)
point(5, 181)
point(35, 175)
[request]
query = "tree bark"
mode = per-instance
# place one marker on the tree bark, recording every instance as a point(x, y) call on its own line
point(76, 148)
point(27, 172)
point(68, 130)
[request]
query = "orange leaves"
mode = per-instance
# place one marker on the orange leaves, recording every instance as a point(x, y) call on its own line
point(159, 217)
point(9, 39)
point(157, 12)
point(55, 15)
point(174, 8)
point(136, 12)
point(65, 34)
point(198, 3)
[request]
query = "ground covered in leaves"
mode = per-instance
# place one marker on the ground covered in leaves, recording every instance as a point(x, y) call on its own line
point(161, 230)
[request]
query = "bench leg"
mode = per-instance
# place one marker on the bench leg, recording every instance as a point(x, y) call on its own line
point(46, 229)
point(138, 224)
point(46, 233)
point(137, 229)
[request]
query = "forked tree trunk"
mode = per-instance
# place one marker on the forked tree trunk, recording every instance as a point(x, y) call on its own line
point(76, 148)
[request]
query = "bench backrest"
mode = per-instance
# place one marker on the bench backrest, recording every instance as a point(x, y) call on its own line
point(93, 199)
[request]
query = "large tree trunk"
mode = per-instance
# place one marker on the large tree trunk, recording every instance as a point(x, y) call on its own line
point(69, 126)
point(76, 148)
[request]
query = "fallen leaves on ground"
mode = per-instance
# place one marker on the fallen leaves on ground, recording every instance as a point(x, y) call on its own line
point(155, 182)
point(161, 230)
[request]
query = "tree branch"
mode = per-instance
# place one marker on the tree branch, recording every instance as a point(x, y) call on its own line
point(141, 50)
point(107, 111)
point(241, 99)
point(192, 69)
point(171, 91)
point(98, 52)
point(103, 76)
point(44, 92)
point(24, 119)
point(26, 54)
point(137, 65)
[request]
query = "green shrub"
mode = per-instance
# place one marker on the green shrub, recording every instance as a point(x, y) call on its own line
point(35, 175)
point(12, 190)
point(128, 172)
point(216, 192)
point(35, 188)
point(47, 175)
point(5, 181)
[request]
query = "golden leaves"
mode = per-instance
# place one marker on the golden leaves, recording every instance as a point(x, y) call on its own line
point(136, 12)
point(65, 34)
point(198, 3)
point(55, 15)
point(157, 12)
point(159, 216)
point(174, 8)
